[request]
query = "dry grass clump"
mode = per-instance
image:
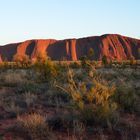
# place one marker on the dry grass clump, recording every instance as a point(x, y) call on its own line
point(78, 130)
point(12, 78)
point(13, 108)
point(29, 98)
point(36, 126)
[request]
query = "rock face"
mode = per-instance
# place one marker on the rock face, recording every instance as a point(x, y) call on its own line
point(115, 47)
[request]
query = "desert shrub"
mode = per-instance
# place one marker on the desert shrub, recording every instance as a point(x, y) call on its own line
point(80, 77)
point(13, 103)
point(92, 99)
point(4, 65)
point(95, 63)
point(127, 98)
point(104, 60)
point(29, 98)
point(46, 71)
point(13, 108)
point(99, 107)
point(1, 100)
point(36, 126)
point(90, 54)
point(7, 65)
point(12, 78)
point(28, 87)
point(87, 65)
point(84, 60)
point(21, 60)
point(75, 65)
point(78, 130)
point(54, 94)
point(41, 57)
point(132, 60)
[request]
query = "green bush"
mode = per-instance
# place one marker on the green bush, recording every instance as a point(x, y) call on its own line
point(46, 71)
point(127, 98)
point(104, 60)
point(75, 65)
point(92, 100)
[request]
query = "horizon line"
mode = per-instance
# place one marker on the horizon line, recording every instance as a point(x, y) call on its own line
point(88, 36)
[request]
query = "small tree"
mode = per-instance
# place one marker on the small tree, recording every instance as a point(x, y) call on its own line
point(139, 52)
point(132, 60)
point(46, 71)
point(90, 53)
point(22, 60)
point(25, 60)
point(104, 60)
point(84, 61)
point(45, 68)
point(41, 57)
point(17, 58)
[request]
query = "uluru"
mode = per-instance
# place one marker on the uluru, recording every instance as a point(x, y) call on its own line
point(114, 46)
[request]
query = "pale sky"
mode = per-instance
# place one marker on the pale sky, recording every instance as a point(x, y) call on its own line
point(59, 19)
